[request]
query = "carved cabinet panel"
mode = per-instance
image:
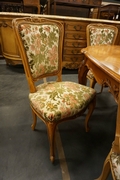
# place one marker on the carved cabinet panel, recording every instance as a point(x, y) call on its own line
point(8, 43)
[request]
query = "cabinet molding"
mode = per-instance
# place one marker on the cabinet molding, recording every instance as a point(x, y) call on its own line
point(74, 38)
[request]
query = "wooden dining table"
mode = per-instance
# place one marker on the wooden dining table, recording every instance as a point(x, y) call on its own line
point(104, 62)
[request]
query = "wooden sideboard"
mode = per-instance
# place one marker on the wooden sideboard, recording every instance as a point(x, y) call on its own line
point(74, 39)
point(8, 44)
point(77, 8)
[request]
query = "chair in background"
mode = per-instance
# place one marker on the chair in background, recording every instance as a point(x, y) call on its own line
point(112, 162)
point(44, 6)
point(98, 34)
point(32, 3)
point(40, 43)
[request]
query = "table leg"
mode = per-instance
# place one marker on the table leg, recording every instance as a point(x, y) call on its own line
point(82, 72)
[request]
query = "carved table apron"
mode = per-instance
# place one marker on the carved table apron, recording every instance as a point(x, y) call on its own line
point(104, 61)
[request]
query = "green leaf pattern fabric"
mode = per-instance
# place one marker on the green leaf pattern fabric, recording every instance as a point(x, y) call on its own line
point(90, 74)
point(98, 37)
point(57, 100)
point(115, 159)
point(101, 36)
point(41, 44)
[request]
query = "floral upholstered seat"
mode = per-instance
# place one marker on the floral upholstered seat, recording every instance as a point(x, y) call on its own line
point(111, 164)
point(99, 34)
point(40, 43)
point(115, 161)
point(64, 99)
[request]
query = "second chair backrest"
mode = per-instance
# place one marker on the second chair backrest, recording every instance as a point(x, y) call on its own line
point(98, 34)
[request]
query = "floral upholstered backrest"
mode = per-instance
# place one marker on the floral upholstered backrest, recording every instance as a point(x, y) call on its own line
point(101, 35)
point(41, 43)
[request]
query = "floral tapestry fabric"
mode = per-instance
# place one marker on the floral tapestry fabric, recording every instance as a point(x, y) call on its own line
point(101, 36)
point(41, 44)
point(98, 37)
point(58, 100)
point(90, 74)
point(115, 159)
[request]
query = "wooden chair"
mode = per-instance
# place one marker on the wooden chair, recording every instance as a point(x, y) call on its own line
point(98, 34)
point(112, 162)
point(40, 43)
point(32, 3)
point(44, 6)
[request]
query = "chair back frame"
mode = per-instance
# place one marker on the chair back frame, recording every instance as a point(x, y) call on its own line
point(99, 34)
point(28, 21)
point(106, 27)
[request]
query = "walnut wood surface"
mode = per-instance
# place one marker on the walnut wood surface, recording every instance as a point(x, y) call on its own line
point(104, 61)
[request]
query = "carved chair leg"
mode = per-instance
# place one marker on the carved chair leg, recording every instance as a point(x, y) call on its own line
point(101, 88)
point(34, 120)
point(90, 111)
point(106, 169)
point(92, 83)
point(51, 127)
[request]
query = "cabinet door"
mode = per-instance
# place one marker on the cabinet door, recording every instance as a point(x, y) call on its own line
point(9, 46)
